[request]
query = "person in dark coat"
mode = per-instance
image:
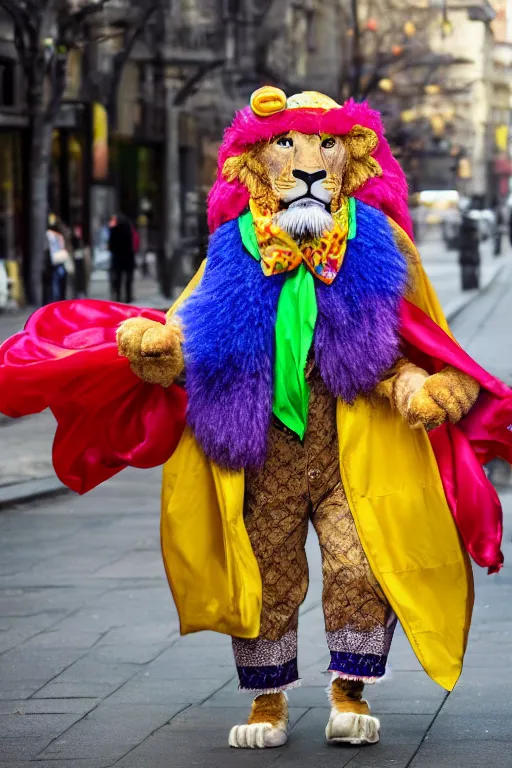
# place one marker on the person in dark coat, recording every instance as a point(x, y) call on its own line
point(122, 264)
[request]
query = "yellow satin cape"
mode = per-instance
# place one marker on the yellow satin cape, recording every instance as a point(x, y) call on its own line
point(395, 494)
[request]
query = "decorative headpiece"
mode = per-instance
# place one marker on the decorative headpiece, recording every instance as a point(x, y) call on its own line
point(269, 100)
point(271, 113)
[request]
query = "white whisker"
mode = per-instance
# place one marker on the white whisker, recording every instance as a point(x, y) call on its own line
point(305, 218)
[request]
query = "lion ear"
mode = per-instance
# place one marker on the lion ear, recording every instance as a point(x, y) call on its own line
point(361, 142)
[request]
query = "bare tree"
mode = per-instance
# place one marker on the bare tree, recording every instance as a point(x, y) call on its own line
point(45, 33)
point(387, 46)
point(103, 87)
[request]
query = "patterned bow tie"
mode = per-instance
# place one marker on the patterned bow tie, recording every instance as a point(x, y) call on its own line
point(322, 255)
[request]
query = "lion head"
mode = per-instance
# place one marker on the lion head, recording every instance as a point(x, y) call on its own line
point(302, 177)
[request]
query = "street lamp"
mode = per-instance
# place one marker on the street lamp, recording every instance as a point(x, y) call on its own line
point(446, 24)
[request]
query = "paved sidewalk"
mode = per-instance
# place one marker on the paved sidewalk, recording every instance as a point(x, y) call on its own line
point(93, 673)
point(443, 269)
point(28, 441)
point(145, 292)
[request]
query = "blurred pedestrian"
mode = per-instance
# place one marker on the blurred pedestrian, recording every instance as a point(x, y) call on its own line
point(498, 228)
point(58, 260)
point(144, 223)
point(82, 258)
point(135, 241)
point(122, 254)
point(4, 284)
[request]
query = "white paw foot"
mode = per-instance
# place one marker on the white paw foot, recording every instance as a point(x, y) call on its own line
point(257, 736)
point(352, 729)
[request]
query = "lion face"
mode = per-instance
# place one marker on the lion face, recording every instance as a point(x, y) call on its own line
point(303, 178)
point(301, 166)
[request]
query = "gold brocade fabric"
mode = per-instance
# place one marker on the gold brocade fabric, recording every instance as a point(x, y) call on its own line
point(280, 253)
point(301, 481)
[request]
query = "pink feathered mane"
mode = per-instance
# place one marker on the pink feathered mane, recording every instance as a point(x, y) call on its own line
point(388, 192)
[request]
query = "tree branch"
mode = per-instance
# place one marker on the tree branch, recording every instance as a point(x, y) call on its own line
point(259, 12)
point(188, 88)
point(58, 87)
point(122, 56)
point(343, 24)
point(25, 33)
point(21, 47)
point(21, 23)
point(15, 11)
point(78, 17)
point(357, 56)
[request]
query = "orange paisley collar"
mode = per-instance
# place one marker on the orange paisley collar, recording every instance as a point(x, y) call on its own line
point(280, 253)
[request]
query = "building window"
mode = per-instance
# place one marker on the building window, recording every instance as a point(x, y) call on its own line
point(11, 196)
point(7, 82)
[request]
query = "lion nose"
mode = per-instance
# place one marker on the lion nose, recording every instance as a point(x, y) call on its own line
point(309, 178)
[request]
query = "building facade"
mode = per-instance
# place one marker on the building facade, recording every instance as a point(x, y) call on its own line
point(13, 146)
point(153, 153)
point(500, 133)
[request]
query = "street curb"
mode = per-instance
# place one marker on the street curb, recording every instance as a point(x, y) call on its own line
point(29, 490)
point(456, 307)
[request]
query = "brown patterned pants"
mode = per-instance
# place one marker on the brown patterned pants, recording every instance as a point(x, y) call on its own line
point(301, 482)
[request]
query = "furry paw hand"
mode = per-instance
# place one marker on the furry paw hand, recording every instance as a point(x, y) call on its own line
point(449, 394)
point(154, 350)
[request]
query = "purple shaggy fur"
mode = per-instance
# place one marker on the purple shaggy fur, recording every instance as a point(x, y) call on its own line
point(229, 326)
point(356, 335)
point(229, 353)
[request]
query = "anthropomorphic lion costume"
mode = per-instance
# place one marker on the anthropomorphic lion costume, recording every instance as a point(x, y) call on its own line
point(321, 384)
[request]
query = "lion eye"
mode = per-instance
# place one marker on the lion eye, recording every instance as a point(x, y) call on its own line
point(285, 141)
point(328, 143)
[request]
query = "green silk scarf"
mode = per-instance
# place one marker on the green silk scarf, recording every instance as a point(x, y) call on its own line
point(295, 326)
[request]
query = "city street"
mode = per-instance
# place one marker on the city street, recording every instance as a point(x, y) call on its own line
point(94, 674)
point(136, 136)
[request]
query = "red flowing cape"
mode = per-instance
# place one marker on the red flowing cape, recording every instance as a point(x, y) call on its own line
point(461, 450)
point(66, 359)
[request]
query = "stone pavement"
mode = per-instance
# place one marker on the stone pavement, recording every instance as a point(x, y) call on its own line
point(93, 673)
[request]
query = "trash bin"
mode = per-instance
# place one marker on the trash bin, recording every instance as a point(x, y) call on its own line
point(469, 254)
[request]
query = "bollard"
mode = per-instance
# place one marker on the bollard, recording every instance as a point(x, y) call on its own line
point(469, 254)
point(80, 278)
point(497, 241)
